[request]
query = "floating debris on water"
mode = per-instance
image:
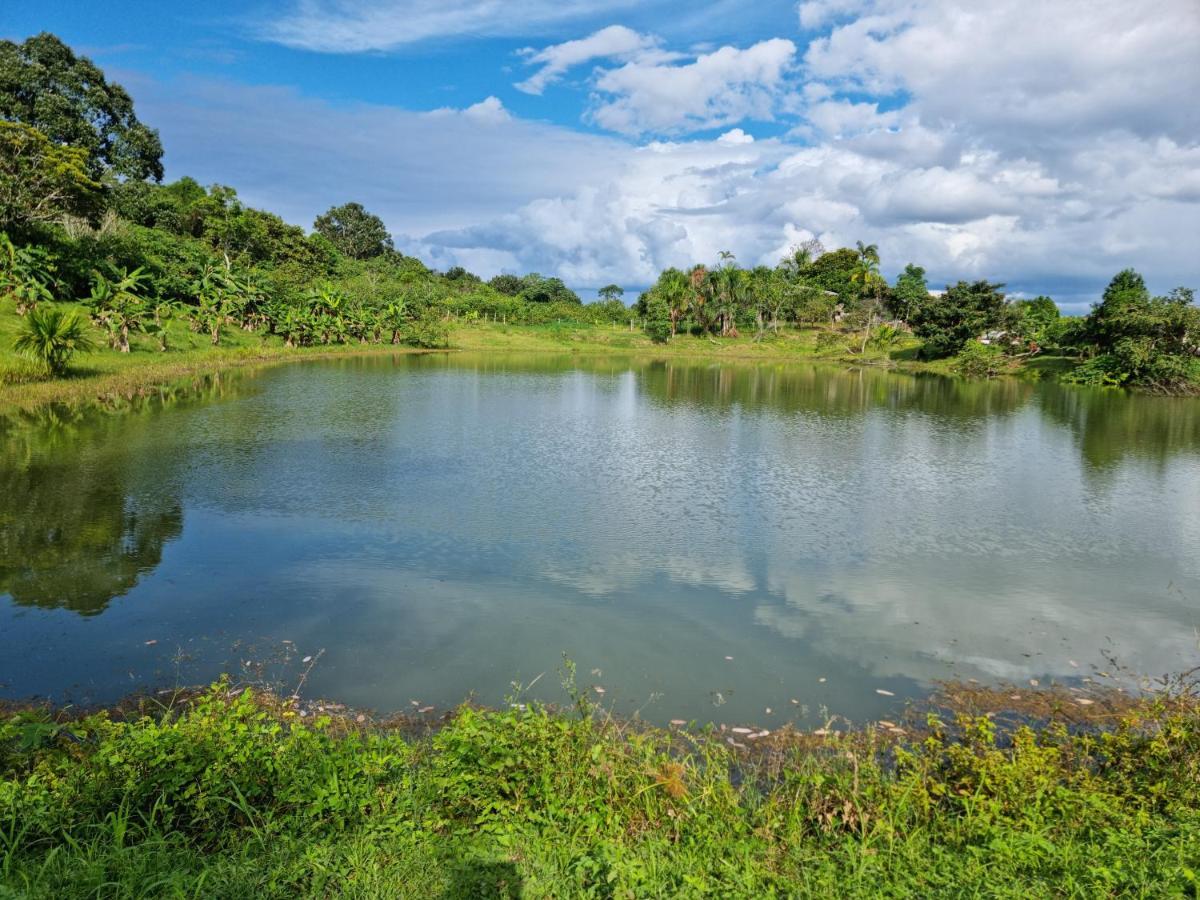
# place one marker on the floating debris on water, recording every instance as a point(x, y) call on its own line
point(678, 722)
point(1033, 681)
point(884, 693)
point(426, 709)
point(821, 680)
point(151, 643)
point(729, 659)
point(598, 689)
point(741, 730)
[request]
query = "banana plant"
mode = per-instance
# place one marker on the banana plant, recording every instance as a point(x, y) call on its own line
point(26, 274)
point(117, 304)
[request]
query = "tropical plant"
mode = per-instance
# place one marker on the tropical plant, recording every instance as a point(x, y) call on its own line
point(51, 336)
point(25, 274)
point(118, 306)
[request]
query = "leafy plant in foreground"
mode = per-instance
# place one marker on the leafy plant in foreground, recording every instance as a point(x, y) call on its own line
point(52, 336)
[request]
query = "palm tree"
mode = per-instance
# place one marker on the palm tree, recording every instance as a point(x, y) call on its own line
point(51, 336)
point(118, 304)
point(872, 283)
point(675, 289)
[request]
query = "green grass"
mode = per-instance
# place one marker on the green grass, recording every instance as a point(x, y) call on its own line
point(232, 794)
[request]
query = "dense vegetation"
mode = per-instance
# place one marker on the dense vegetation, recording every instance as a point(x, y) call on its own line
point(84, 219)
point(235, 794)
point(1130, 337)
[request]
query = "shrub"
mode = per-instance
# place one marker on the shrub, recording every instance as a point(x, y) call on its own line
point(51, 336)
point(978, 360)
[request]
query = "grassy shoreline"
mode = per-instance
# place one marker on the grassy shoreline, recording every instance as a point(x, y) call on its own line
point(106, 375)
point(231, 792)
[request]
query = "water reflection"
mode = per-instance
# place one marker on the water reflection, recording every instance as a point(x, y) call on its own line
point(443, 524)
point(83, 516)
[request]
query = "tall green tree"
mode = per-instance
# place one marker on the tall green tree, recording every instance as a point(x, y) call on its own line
point(44, 85)
point(911, 290)
point(354, 231)
point(963, 312)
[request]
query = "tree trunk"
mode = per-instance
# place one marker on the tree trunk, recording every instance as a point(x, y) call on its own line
point(216, 335)
point(123, 344)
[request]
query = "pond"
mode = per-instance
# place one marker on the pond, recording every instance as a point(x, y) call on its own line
point(704, 541)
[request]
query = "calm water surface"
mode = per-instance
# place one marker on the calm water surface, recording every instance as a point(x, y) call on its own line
point(444, 525)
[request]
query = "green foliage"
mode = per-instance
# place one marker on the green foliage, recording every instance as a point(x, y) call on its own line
point(51, 337)
point(1038, 322)
point(963, 312)
point(44, 85)
point(429, 330)
point(41, 181)
point(611, 292)
point(354, 231)
point(118, 305)
point(979, 360)
point(234, 795)
point(910, 292)
point(1151, 342)
point(26, 274)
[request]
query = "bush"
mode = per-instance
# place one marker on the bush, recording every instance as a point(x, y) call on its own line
point(428, 330)
point(979, 360)
point(658, 330)
point(51, 336)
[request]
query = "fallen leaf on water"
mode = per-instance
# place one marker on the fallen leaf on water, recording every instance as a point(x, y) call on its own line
point(151, 643)
point(884, 693)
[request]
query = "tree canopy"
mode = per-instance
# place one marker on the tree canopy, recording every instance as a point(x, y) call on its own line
point(44, 85)
point(41, 181)
point(354, 231)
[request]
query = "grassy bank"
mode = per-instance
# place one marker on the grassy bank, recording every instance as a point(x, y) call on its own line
point(105, 374)
point(236, 794)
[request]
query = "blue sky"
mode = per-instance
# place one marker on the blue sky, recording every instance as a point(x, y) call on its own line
point(1043, 145)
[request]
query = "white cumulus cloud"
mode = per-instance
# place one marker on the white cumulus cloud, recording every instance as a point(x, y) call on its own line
point(726, 86)
point(614, 42)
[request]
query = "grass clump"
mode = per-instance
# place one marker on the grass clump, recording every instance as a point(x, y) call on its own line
point(233, 794)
